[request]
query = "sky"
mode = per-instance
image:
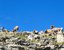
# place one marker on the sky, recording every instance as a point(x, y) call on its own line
point(31, 15)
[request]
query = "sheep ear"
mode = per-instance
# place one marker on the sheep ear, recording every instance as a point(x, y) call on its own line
point(46, 31)
point(52, 27)
point(16, 28)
